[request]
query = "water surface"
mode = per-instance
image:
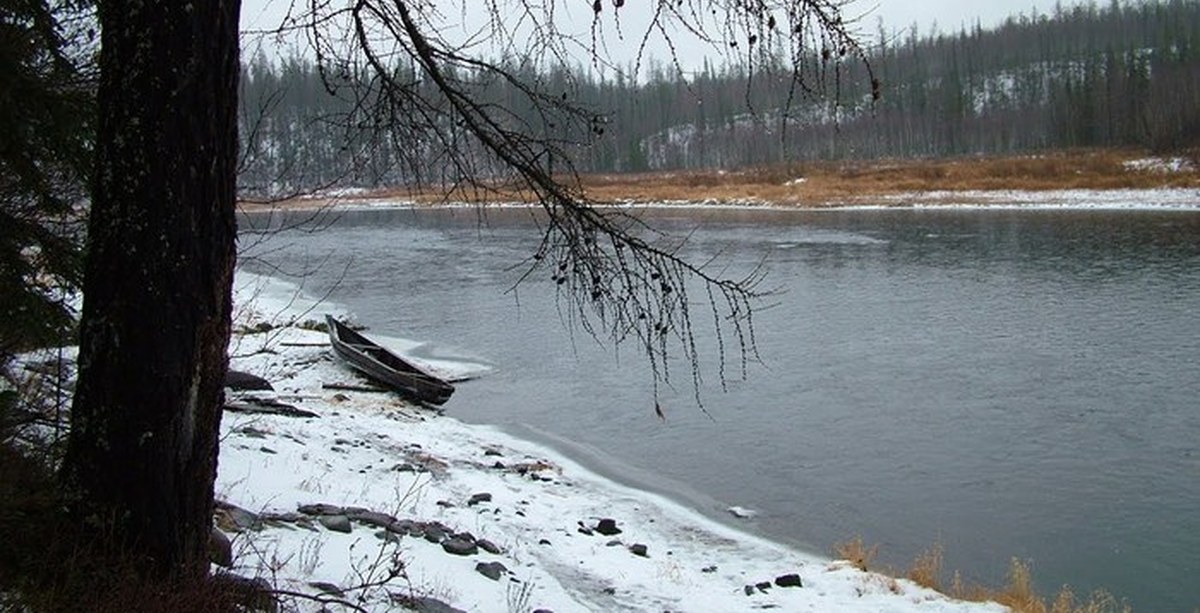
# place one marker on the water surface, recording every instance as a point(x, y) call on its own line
point(1004, 383)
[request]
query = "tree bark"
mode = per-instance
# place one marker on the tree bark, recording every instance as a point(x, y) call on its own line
point(142, 454)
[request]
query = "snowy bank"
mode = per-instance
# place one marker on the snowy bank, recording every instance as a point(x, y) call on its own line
point(470, 517)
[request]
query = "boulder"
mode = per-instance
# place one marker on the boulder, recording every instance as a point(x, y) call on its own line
point(789, 580)
point(336, 523)
point(608, 527)
point(491, 570)
point(460, 547)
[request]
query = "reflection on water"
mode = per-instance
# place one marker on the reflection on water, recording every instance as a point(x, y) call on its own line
point(1004, 383)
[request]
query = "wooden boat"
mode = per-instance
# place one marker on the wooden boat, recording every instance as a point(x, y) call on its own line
point(385, 367)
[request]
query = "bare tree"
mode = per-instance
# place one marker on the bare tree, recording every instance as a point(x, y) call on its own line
point(431, 90)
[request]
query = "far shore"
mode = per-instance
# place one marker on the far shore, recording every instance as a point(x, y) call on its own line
point(1113, 178)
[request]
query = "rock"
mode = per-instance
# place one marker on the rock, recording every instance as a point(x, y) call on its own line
point(492, 452)
point(321, 509)
point(614, 543)
point(491, 570)
point(423, 604)
point(608, 527)
point(639, 549)
point(387, 536)
point(460, 547)
point(375, 519)
point(585, 531)
point(268, 450)
point(434, 534)
point(709, 569)
point(545, 542)
point(244, 381)
point(232, 518)
point(336, 523)
point(325, 588)
point(488, 546)
point(220, 549)
point(478, 498)
point(763, 586)
point(790, 580)
point(749, 590)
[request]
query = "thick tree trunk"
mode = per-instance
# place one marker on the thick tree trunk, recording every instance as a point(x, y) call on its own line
point(142, 454)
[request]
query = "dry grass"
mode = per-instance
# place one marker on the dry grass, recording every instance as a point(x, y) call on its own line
point(926, 569)
point(1018, 594)
point(855, 552)
point(814, 184)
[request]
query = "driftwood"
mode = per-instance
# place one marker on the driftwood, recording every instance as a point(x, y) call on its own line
point(347, 387)
point(266, 406)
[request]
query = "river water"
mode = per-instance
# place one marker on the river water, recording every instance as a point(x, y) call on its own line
point(1003, 383)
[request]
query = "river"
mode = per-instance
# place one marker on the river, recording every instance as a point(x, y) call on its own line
point(1004, 383)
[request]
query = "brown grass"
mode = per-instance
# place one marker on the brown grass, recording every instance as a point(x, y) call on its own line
point(855, 552)
point(813, 184)
point(1018, 594)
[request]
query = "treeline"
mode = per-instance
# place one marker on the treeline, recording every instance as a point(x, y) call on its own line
point(1126, 74)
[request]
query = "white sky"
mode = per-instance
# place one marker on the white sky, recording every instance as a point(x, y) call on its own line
point(897, 15)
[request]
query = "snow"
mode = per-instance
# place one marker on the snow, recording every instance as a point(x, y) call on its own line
point(1161, 165)
point(382, 453)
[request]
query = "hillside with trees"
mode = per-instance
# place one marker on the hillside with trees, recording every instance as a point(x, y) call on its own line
point(1123, 75)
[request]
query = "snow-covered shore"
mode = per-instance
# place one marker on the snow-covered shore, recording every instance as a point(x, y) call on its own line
point(422, 489)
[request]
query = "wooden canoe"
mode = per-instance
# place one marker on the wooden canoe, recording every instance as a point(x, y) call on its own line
point(385, 367)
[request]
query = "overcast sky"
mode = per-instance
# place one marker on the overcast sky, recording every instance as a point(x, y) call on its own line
point(897, 15)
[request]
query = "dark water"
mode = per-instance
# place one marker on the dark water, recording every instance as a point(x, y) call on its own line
point(1004, 383)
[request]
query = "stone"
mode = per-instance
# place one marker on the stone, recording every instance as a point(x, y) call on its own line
point(789, 580)
point(488, 546)
point(434, 534)
point(639, 549)
point(336, 523)
point(268, 450)
point(375, 519)
point(608, 527)
point(491, 570)
point(244, 381)
point(763, 586)
point(478, 498)
point(232, 518)
point(459, 547)
point(220, 549)
point(326, 587)
point(388, 536)
point(321, 509)
point(423, 604)
point(749, 590)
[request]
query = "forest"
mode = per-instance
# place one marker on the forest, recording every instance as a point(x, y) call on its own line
point(1123, 75)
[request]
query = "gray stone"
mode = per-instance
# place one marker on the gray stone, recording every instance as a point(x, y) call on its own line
point(790, 580)
point(460, 547)
point(326, 588)
point(608, 527)
point(434, 534)
point(478, 498)
point(220, 549)
point(639, 549)
point(423, 604)
point(321, 509)
point(488, 546)
point(336, 523)
point(375, 519)
point(491, 570)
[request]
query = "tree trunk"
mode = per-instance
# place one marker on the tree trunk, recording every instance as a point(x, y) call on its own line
point(142, 454)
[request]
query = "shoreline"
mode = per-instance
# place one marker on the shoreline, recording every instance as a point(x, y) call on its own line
point(1183, 199)
point(541, 508)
